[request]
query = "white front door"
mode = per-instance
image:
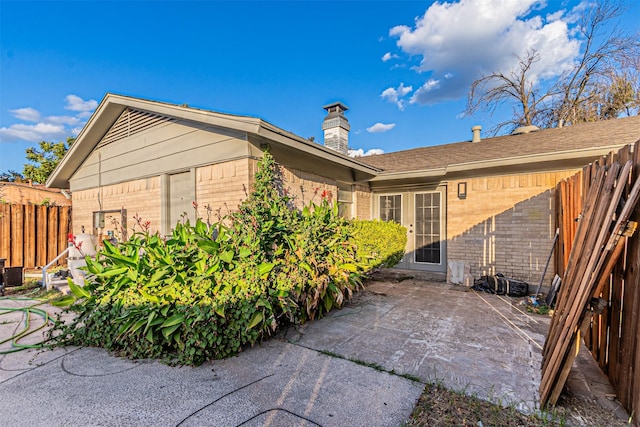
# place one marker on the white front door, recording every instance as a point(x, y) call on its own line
point(429, 243)
point(422, 213)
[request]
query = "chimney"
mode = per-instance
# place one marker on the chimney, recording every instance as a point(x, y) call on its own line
point(476, 133)
point(336, 127)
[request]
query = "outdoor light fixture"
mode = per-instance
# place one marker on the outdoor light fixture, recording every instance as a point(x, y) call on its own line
point(462, 190)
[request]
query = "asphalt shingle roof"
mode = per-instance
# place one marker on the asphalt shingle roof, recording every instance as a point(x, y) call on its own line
point(545, 141)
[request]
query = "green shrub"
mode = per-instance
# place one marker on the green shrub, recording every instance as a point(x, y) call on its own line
point(212, 289)
point(379, 243)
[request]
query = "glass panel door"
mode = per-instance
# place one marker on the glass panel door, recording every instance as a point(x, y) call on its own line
point(428, 228)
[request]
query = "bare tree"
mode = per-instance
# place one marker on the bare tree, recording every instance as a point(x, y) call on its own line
point(603, 84)
point(515, 87)
point(608, 61)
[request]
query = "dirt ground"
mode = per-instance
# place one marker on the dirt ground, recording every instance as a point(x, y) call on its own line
point(441, 407)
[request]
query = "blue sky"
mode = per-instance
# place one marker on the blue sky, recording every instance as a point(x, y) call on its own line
point(402, 67)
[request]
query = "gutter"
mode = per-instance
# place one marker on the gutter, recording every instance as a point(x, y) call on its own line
point(592, 153)
point(441, 172)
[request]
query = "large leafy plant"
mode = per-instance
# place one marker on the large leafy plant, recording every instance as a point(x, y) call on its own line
point(211, 289)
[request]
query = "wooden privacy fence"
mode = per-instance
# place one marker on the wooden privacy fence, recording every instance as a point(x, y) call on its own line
point(598, 258)
point(32, 235)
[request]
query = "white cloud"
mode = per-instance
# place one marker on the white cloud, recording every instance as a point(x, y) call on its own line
point(395, 95)
point(32, 133)
point(422, 92)
point(75, 103)
point(27, 114)
point(458, 41)
point(381, 127)
point(52, 127)
point(84, 114)
point(63, 120)
point(361, 153)
point(387, 56)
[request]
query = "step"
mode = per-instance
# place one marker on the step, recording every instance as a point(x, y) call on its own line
point(60, 285)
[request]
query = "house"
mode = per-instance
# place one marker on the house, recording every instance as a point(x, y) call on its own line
point(27, 193)
point(477, 207)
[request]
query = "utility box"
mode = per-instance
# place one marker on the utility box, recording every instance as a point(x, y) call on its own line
point(98, 220)
point(12, 276)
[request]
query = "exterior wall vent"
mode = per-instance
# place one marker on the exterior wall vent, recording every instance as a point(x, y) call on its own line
point(131, 122)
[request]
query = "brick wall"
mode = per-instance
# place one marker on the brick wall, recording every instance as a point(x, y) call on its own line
point(362, 200)
point(223, 186)
point(505, 224)
point(305, 187)
point(141, 197)
point(219, 189)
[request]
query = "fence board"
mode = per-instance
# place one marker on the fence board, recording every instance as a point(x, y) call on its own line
point(613, 337)
point(5, 232)
point(17, 234)
point(52, 234)
point(569, 314)
point(31, 236)
point(627, 372)
point(41, 233)
point(610, 366)
point(63, 229)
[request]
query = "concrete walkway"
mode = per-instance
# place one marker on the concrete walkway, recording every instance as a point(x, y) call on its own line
point(473, 342)
point(477, 343)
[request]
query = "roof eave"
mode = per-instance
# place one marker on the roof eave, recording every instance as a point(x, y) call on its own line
point(581, 155)
point(78, 151)
point(569, 158)
point(274, 133)
point(113, 105)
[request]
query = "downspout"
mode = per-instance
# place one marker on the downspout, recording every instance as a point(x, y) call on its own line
point(100, 180)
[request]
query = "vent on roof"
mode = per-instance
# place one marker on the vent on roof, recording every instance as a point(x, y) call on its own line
point(476, 133)
point(525, 129)
point(131, 122)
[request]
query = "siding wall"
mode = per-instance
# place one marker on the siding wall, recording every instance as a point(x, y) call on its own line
point(505, 225)
point(171, 146)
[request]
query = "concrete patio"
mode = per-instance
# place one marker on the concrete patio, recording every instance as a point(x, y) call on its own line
point(478, 343)
point(363, 365)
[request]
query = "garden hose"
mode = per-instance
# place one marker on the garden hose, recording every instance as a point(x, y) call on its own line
point(26, 331)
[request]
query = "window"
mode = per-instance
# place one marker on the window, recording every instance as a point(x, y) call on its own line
point(345, 200)
point(391, 208)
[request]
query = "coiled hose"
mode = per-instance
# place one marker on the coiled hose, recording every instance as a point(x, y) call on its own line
point(27, 313)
